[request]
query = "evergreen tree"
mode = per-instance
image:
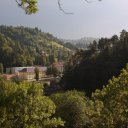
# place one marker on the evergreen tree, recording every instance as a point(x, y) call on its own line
point(92, 68)
point(37, 71)
point(1, 68)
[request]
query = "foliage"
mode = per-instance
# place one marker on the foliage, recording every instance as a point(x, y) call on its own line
point(106, 108)
point(71, 46)
point(17, 79)
point(1, 68)
point(92, 68)
point(37, 73)
point(30, 6)
point(26, 46)
point(25, 106)
point(114, 97)
point(52, 71)
point(71, 106)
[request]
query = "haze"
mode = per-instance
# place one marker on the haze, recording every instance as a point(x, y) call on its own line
point(97, 19)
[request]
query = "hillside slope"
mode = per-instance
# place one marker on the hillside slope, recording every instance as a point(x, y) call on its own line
point(22, 46)
point(81, 43)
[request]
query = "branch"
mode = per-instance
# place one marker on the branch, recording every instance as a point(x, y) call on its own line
point(60, 7)
point(30, 6)
point(20, 5)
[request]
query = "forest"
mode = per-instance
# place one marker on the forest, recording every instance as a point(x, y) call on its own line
point(25, 105)
point(91, 69)
point(22, 46)
point(93, 90)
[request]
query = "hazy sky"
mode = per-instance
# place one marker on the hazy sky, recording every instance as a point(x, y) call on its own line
point(92, 20)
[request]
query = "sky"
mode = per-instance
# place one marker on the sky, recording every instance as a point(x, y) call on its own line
point(95, 19)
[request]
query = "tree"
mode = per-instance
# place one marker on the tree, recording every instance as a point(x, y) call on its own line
point(41, 60)
point(18, 79)
point(72, 107)
point(37, 73)
point(52, 71)
point(92, 68)
point(106, 108)
point(1, 68)
point(25, 106)
point(22, 46)
point(114, 97)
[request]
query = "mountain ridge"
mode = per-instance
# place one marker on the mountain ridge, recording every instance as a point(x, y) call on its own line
point(82, 42)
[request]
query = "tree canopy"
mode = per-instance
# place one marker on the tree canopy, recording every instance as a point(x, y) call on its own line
point(25, 106)
point(114, 106)
point(23, 46)
point(92, 68)
point(106, 108)
point(72, 106)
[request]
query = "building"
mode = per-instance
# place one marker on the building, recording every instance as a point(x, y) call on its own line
point(27, 73)
point(8, 76)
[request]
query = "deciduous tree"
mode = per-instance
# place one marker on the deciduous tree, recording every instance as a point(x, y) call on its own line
point(114, 98)
point(1, 68)
point(25, 106)
point(72, 106)
point(37, 73)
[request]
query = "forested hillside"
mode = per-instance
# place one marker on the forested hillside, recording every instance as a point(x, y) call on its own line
point(21, 46)
point(91, 69)
point(81, 43)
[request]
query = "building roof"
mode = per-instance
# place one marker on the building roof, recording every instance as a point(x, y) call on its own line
point(28, 69)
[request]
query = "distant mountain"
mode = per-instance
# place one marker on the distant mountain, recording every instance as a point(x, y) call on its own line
point(23, 46)
point(81, 43)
